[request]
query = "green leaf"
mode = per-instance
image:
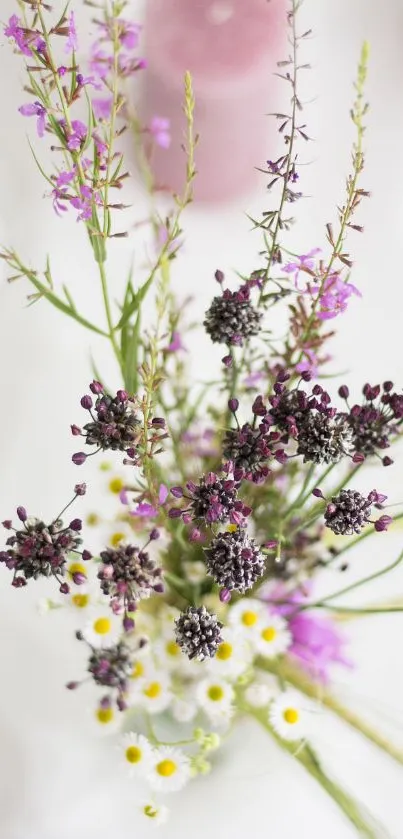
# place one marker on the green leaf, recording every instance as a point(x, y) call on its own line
point(42, 171)
point(59, 304)
point(137, 299)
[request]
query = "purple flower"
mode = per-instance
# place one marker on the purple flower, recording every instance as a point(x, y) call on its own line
point(17, 32)
point(176, 343)
point(129, 33)
point(71, 43)
point(35, 109)
point(305, 261)
point(102, 107)
point(84, 203)
point(77, 136)
point(317, 642)
point(159, 128)
point(145, 510)
point(334, 297)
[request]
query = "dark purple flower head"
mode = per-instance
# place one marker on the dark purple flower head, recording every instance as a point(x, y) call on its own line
point(128, 574)
point(235, 561)
point(249, 448)
point(111, 668)
point(377, 420)
point(350, 511)
point(40, 550)
point(231, 318)
point(113, 425)
point(213, 499)
point(198, 633)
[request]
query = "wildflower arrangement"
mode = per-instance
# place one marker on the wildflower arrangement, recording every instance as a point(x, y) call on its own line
point(232, 497)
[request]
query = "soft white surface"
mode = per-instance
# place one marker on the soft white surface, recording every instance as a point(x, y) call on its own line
point(57, 782)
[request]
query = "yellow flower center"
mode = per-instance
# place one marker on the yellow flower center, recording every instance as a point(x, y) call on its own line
point(138, 670)
point(133, 754)
point(104, 715)
point(166, 768)
point(77, 568)
point(249, 618)
point(102, 626)
point(172, 648)
point(116, 538)
point(116, 485)
point(291, 715)
point(105, 466)
point(150, 811)
point(215, 693)
point(269, 634)
point(152, 690)
point(80, 600)
point(232, 528)
point(92, 519)
point(224, 651)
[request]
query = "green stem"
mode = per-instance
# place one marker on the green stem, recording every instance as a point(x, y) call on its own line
point(308, 759)
point(108, 313)
point(292, 674)
point(358, 584)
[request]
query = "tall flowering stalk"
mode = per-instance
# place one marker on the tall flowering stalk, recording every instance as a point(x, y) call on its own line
point(201, 604)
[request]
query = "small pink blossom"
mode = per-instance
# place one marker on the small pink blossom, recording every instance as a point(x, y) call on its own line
point(159, 129)
point(102, 107)
point(72, 42)
point(35, 109)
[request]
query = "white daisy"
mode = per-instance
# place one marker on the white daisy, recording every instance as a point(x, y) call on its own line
point(137, 753)
point(215, 697)
point(272, 637)
point(154, 813)
point(103, 628)
point(170, 769)
point(232, 657)
point(287, 717)
point(258, 694)
point(247, 615)
point(105, 719)
point(141, 671)
point(168, 653)
point(153, 693)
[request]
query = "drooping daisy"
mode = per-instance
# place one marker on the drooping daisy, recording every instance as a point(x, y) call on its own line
point(195, 572)
point(153, 693)
point(170, 769)
point(247, 615)
point(287, 716)
point(154, 813)
point(232, 657)
point(103, 628)
point(215, 698)
point(137, 753)
point(272, 637)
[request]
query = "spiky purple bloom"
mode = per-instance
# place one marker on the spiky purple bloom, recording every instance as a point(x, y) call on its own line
point(40, 550)
point(213, 499)
point(231, 319)
point(350, 511)
point(198, 633)
point(114, 424)
point(235, 561)
point(128, 574)
point(249, 449)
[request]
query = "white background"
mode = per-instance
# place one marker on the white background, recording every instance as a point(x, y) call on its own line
point(57, 781)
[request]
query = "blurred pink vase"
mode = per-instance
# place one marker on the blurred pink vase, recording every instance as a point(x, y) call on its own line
point(231, 48)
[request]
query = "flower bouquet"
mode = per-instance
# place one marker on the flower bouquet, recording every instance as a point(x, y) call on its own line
point(234, 495)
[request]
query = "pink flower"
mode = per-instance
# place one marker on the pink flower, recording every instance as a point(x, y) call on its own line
point(159, 128)
point(102, 107)
point(317, 642)
point(334, 297)
point(306, 260)
point(175, 344)
point(16, 31)
point(145, 510)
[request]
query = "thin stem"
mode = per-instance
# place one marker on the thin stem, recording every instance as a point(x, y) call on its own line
point(353, 586)
point(309, 760)
point(108, 313)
